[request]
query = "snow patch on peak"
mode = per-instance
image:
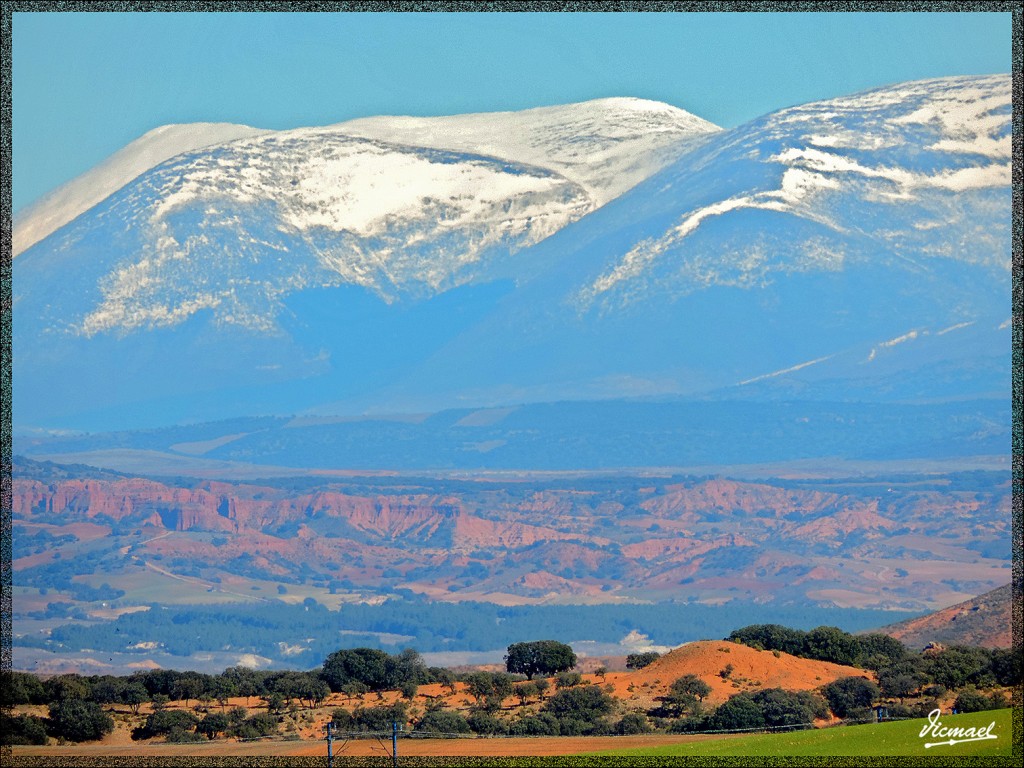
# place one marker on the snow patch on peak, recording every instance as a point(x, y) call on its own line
point(606, 145)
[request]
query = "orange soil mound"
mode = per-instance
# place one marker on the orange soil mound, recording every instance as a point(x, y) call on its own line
point(752, 670)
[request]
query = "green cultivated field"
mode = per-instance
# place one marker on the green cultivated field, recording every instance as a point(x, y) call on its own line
point(873, 739)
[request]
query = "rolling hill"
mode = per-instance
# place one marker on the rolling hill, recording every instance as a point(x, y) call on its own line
point(985, 620)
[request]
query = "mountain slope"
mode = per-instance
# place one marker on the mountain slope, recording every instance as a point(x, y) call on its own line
point(70, 200)
point(985, 620)
point(843, 241)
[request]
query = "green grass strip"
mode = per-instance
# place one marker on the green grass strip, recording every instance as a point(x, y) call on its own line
point(899, 738)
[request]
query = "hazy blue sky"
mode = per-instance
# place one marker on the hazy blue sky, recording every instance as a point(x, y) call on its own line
point(86, 84)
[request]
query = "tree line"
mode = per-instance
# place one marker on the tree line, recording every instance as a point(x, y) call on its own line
point(551, 698)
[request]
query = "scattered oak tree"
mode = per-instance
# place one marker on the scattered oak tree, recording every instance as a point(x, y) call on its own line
point(544, 657)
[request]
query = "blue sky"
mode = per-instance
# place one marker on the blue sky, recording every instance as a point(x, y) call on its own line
point(86, 84)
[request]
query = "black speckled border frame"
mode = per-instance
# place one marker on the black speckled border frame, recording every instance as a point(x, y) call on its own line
point(9, 7)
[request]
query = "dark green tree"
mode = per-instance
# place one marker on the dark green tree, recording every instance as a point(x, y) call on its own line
point(739, 713)
point(831, 644)
point(544, 657)
point(641, 660)
point(213, 724)
point(134, 694)
point(247, 682)
point(20, 688)
point(70, 686)
point(1006, 666)
point(850, 693)
point(488, 685)
point(684, 694)
point(580, 710)
point(633, 723)
point(78, 720)
point(187, 687)
point(771, 637)
point(526, 691)
point(23, 729)
point(369, 666)
point(958, 665)
point(897, 684)
point(877, 650)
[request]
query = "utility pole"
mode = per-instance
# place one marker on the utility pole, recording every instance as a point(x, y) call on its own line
point(394, 743)
point(330, 744)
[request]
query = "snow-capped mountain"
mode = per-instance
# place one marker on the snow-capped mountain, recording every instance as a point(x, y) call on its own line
point(610, 248)
point(395, 205)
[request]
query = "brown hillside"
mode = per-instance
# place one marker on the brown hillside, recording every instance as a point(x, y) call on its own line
point(752, 670)
point(985, 620)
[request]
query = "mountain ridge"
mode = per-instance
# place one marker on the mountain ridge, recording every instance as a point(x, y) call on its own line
point(316, 270)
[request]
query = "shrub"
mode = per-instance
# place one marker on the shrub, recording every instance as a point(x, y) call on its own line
point(691, 724)
point(633, 723)
point(443, 721)
point(179, 736)
point(485, 724)
point(261, 724)
point(543, 724)
point(378, 718)
point(568, 679)
point(163, 722)
point(781, 708)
